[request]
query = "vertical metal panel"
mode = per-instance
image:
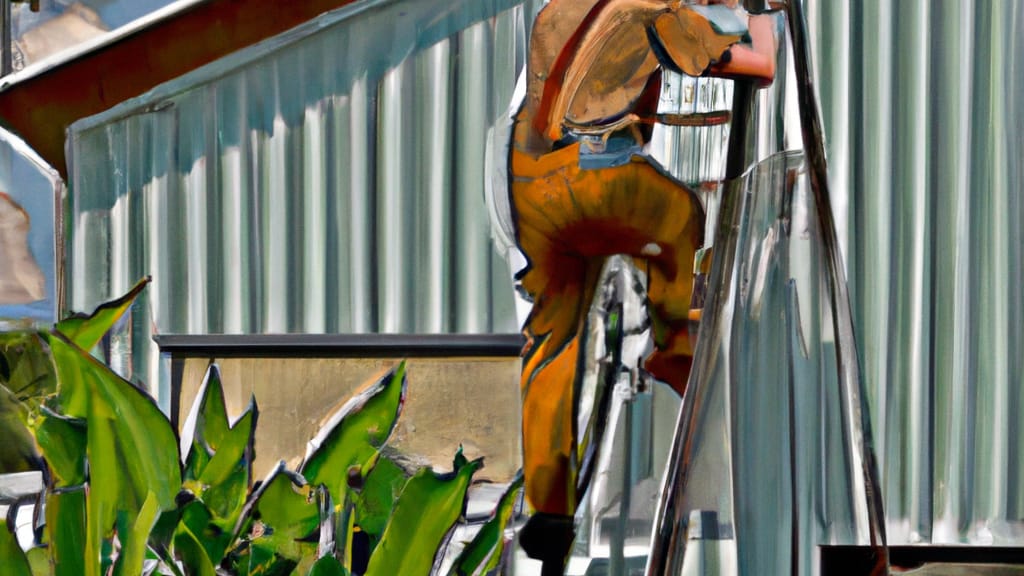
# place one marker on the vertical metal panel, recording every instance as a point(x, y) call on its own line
point(934, 251)
point(990, 230)
point(472, 245)
point(396, 155)
point(870, 277)
point(1015, 151)
point(907, 455)
point(432, 254)
point(509, 47)
point(362, 300)
point(952, 23)
point(314, 220)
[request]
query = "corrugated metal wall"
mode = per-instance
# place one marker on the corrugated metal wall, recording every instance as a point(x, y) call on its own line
point(329, 181)
point(224, 184)
point(922, 102)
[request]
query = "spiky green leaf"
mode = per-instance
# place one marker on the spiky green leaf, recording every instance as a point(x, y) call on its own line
point(86, 330)
point(218, 469)
point(285, 516)
point(424, 514)
point(483, 553)
point(206, 425)
point(355, 432)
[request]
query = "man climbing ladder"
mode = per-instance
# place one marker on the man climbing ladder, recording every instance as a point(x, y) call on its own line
point(582, 188)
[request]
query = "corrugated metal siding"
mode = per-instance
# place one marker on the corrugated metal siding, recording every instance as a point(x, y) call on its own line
point(223, 184)
point(327, 181)
point(922, 101)
point(331, 181)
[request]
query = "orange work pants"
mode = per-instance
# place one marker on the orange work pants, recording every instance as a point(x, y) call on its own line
point(568, 221)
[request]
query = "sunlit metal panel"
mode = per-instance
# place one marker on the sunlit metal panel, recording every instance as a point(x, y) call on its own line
point(329, 181)
point(922, 101)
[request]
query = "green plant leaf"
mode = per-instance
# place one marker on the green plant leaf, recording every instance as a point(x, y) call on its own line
point(18, 450)
point(161, 538)
point(12, 558)
point(328, 566)
point(39, 561)
point(87, 330)
point(131, 446)
point(198, 522)
point(224, 482)
point(381, 488)
point(264, 560)
point(424, 514)
point(206, 425)
point(66, 529)
point(25, 367)
point(63, 443)
point(134, 538)
point(26, 379)
point(190, 548)
point(284, 516)
point(354, 433)
point(483, 553)
point(218, 469)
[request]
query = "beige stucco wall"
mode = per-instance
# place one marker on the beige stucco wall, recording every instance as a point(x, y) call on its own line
point(472, 401)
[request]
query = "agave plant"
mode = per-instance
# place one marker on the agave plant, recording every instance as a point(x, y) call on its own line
point(124, 496)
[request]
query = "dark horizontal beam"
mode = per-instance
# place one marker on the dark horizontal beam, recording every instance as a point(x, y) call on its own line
point(909, 556)
point(40, 107)
point(340, 345)
point(861, 559)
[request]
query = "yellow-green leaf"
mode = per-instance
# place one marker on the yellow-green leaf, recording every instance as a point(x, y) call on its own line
point(353, 435)
point(63, 443)
point(12, 558)
point(218, 469)
point(192, 553)
point(26, 378)
point(87, 330)
point(131, 446)
point(134, 539)
point(39, 561)
point(328, 566)
point(286, 516)
point(377, 498)
point(66, 529)
point(423, 516)
point(206, 425)
point(17, 451)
